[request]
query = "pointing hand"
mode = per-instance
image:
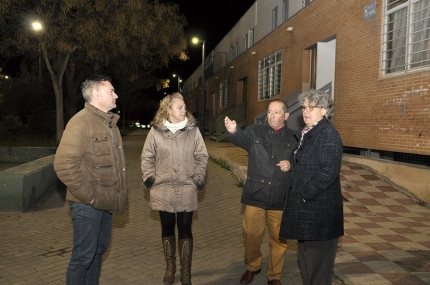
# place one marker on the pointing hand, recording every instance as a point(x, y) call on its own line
point(230, 125)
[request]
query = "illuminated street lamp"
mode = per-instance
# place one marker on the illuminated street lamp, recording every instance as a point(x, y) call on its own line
point(37, 26)
point(179, 81)
point(196, 41)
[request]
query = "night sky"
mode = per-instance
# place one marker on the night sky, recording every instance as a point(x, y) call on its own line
point(210, 21)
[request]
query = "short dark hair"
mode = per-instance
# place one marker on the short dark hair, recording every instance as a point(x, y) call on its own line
point(90, 83)
point(284, 104)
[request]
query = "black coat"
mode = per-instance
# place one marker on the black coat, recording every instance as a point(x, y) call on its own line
point(266, 184)
point(313, 207)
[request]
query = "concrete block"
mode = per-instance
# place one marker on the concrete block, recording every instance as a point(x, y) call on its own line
point(24, 154)
point(21, 186)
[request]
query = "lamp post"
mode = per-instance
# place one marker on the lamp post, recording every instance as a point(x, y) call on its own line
point(10, 84)
point(179, 80)
point(37, 26)
point(196, 41)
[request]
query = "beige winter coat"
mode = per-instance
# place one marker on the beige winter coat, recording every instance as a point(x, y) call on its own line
point(174, 167)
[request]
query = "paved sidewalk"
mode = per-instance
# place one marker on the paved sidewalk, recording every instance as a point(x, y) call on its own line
point(387, 238)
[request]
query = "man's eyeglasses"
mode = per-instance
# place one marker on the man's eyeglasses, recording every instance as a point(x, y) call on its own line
point(309, 108)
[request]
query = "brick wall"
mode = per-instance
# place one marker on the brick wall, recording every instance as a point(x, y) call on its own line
point(372, 111)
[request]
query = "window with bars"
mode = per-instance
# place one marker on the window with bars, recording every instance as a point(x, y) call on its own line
point(224, 93)
point(236, 50)
point(245, 42)
point(275, 18)
point(406, 38)
point(269, 76)
point(306, 3)
point(251, 37)
point(285, 4)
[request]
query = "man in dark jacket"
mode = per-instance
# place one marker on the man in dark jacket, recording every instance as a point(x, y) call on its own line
point(90, 162)
point(269, 149)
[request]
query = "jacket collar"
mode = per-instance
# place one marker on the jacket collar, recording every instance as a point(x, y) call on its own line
point(272, 131)
point(110, 117)
point(190, 124)
point(318, 126)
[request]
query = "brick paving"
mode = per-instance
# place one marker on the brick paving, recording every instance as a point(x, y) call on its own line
point(387, 232)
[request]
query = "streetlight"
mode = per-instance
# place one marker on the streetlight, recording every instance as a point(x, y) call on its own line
point(196, 41)
point(179, 80)
point(10, 83)
point(37, 26)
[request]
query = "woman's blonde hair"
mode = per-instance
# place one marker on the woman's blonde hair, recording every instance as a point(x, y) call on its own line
point(163, 111)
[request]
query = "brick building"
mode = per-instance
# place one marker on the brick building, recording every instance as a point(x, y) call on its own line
point(374, 55)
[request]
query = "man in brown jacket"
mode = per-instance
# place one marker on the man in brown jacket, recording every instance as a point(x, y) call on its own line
point(90, 162)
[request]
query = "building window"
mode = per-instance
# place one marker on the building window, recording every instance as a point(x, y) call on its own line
point(251, 37)
point(245, 42)
point(231, 53)
point(306, 3)
point(269, 76)
point(236, 50)
point(406, 43)
point(224, 93)
point(275, 18)
point(284, 10)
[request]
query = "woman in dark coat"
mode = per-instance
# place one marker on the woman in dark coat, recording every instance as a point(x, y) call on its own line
point(313, 210)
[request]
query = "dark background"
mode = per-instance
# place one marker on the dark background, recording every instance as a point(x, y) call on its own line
point(209, 21)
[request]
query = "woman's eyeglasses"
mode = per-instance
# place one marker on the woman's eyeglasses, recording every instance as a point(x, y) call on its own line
point(309, 108)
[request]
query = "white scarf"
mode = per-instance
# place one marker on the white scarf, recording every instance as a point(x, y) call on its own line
point(174, 127)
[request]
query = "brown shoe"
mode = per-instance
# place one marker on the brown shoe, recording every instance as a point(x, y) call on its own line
point(274, 282)
point(248, 276)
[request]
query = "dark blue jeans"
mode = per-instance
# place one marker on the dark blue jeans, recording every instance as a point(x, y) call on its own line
point(91, 237)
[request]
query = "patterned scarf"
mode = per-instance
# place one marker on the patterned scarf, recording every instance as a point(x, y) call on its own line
point(304, 131)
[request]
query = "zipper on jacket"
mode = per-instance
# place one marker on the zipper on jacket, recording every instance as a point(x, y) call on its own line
point(119, 169)
point(102, 166)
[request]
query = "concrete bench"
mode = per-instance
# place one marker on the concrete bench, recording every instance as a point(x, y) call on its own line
point(21, 186)
point(24, 154)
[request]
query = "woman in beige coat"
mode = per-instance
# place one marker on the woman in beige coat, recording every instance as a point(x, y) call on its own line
point(173, 162)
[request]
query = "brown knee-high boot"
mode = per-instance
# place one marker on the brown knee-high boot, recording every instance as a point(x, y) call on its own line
point(186, 255)
point(169, 248)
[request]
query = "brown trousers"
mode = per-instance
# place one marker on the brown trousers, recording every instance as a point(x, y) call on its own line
point(254, 224)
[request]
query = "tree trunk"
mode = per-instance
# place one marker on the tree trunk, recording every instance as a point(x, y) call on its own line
point(73, 94)
point(58, 90)
point(57, 84)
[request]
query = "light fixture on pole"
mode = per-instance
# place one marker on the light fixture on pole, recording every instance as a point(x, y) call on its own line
point(37, 26)
point(202, 130)
point(179, 80)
